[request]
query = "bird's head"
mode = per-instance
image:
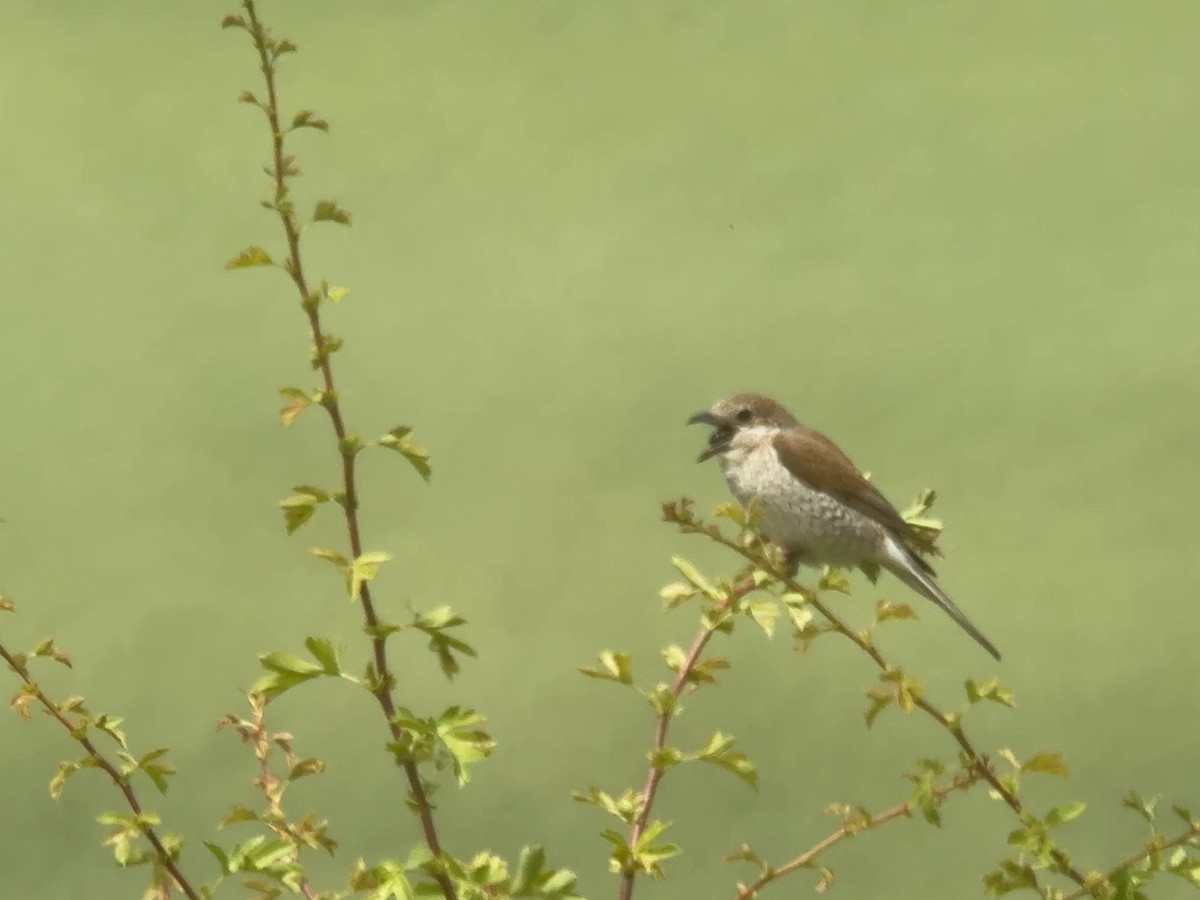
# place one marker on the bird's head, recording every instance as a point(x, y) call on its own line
point(738, 415)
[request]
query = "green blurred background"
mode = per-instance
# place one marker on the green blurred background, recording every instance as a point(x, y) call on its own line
point(961, 237)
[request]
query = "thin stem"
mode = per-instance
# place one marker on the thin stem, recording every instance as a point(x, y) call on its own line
point(1186, 837)
point(662, 725)
point(268, 783)
point(164, 857)
point(350, 502)
point(808, 857)
point(977, 760)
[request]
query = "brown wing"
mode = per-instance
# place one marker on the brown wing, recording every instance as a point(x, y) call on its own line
point(820, 463)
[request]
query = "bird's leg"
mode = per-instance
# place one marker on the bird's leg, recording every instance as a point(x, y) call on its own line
point(792, 558)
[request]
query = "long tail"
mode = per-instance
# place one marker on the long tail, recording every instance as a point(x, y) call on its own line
point(918, 575)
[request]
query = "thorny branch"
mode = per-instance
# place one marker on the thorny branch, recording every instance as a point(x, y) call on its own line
point(849, 829)
point(681, 514)
point(347, 448)
point(663, 723)
point(54, 710)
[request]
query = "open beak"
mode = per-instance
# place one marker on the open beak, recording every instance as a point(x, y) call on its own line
point(718, 441)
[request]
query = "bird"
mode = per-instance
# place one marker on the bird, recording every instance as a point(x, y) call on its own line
point(814, 503)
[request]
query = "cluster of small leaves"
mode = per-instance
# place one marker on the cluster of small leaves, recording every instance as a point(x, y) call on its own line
point(436, 625)
point(485, 876)
point(641, 849)
point(271, 860)
point(448, 741)
point(286, 670)
point(646, 852)
point(896, 686)
point(132, 834)
point(1160, 854)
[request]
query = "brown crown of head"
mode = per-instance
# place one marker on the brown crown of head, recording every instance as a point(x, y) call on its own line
point(744, 411)
point(740, 411)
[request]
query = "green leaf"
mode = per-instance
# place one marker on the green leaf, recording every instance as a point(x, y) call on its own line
point(885, 610)
point(675, 594)
point(1049, 761)
point(616, 667)
point(559, 885)
point(530, 862)
point(156, 768)
point(221, 856)
point(719, 751)
point(801, 615)
point(364, 569)
point(65, 770)
point(329, 211)
point(50, 650)
point(400, 440)
point(698, 581)
point(647, 855)
point(306, 118)
point(1065, 813)
point(764, 612)
point(466, 744)
point(665, 757)
point(284, 672)
point(626, 807)
point(289, 664)
point(298, 401)
point(251, 256)
point(989, 689)
point(674, 656)
point(435, 624)
point(324, 653)
point(323, 348)
point(880, 700)
point(663, 699)
point(305, 767)
point(238, 814)
point(300, 506)
point(1139, 804)
point(834, 580)
point(330, 556)
point(731, 511)
point(110, 725)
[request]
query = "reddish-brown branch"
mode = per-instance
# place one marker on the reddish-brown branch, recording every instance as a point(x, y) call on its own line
point(663, 723)
point(1190, 836)
point(122, 783)
point(977, 760)
point(808, 857)
point(295, 268)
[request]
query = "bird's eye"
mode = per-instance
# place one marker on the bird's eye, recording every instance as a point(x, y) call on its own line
point(743, 415)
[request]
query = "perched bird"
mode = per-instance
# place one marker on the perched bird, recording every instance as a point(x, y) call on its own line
point(813, 501)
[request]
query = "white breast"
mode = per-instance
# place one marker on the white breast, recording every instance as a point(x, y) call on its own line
point(804, 521)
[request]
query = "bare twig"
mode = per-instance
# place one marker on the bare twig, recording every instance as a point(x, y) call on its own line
point(848, 830)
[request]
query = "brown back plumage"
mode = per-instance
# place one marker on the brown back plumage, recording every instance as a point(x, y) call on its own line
point(821, 464)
